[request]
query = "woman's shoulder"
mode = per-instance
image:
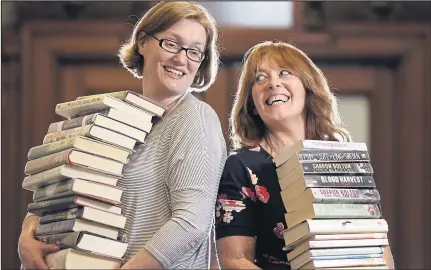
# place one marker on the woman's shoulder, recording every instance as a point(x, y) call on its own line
point(195, 119)
point(251, 156)
point(195, 108)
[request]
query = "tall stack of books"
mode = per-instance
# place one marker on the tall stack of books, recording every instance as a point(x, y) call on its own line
point(332, 206)
point(74, 172)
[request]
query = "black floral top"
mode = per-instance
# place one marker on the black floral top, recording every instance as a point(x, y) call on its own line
point(249, 204)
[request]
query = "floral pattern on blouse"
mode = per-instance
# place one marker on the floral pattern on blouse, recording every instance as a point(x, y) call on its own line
point(228, 206)
point(249, 181)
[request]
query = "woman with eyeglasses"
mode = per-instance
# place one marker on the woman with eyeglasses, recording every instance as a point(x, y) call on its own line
point(170, 184)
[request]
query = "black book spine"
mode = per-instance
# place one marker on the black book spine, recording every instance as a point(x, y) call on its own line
point(61, 215)
point(360, 168)
point(350, 181)
point(51, 205)
point(55, 227)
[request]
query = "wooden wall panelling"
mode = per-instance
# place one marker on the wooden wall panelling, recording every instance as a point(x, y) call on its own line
point(427, 145)
point(80, 80)
point(217, 96)
point(298, 15)
point(10, 148)
point(382, 159)
point(408, 47)
point(71, 83)
point(410, 156)
point(377, 85)
point(43, 44)
point(374, 43)
point(109, 79)
point(344, 79)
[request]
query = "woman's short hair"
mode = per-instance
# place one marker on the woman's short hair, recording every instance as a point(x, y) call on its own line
point(159, 18)
point(323, 121)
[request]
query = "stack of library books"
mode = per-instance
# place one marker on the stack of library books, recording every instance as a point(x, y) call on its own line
point(74, 172)
point(332, 206)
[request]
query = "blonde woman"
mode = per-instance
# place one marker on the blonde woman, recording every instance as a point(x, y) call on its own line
point(170, 184)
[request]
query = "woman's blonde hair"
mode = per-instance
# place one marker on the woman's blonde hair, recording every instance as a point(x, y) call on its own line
point(323, 121)
point(159, 18)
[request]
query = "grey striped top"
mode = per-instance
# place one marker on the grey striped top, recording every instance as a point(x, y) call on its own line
point(170, 187)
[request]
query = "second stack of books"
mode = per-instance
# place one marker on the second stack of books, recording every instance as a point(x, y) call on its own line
point(74, 172)
point(333, 210)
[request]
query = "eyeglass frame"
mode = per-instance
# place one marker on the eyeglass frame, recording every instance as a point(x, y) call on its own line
point(181, 48)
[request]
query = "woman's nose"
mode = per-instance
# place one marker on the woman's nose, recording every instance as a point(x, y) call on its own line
point(273, 85)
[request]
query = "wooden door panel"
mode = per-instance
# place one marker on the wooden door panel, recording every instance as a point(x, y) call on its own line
point(382, 124)
point(218, 97)
point(85, 79)
point(109, 79)
point(11, 171)
point(348, 79)
point(72, 83)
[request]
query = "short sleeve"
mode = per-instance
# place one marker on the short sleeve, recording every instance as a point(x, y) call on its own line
point(236, 201)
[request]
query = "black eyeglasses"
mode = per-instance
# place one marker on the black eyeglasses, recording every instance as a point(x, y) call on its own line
point(173, 47)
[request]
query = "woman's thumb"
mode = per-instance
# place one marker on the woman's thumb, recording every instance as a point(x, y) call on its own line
point(48, 248)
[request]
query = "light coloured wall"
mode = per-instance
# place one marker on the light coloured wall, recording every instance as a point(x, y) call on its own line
point(355, 112)
point(261, 14)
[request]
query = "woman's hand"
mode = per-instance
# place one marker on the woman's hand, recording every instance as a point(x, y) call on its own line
point(30, 250)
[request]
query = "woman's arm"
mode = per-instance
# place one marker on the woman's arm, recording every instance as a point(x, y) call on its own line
point(236, 252)
point(236, 217)
point(30, 223)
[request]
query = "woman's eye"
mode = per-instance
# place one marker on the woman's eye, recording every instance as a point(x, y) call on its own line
point(171, 44)
point(259, 78)
point(285, 73)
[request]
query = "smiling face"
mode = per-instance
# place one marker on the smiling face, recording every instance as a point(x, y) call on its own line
point(167, 73)
point(280, 89)
point(277, 94)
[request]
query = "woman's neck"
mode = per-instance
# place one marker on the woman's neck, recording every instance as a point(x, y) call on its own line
point(169, 101)
point(284, 136)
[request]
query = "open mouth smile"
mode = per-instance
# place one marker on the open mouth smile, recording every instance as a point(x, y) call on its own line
point(278, 99)
point(173, 71)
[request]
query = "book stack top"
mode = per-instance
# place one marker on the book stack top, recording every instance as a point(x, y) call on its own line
point(332, 204)
point(73, 175)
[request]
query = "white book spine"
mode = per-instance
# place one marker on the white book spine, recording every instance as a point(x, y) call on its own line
point(347, 226)
point(348, 243)
point(334, 145)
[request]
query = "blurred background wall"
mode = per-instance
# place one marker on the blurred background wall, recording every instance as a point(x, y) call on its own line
point(376, 56)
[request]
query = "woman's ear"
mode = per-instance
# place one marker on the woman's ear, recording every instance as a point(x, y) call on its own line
point(141, 47)
point(140, 43)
